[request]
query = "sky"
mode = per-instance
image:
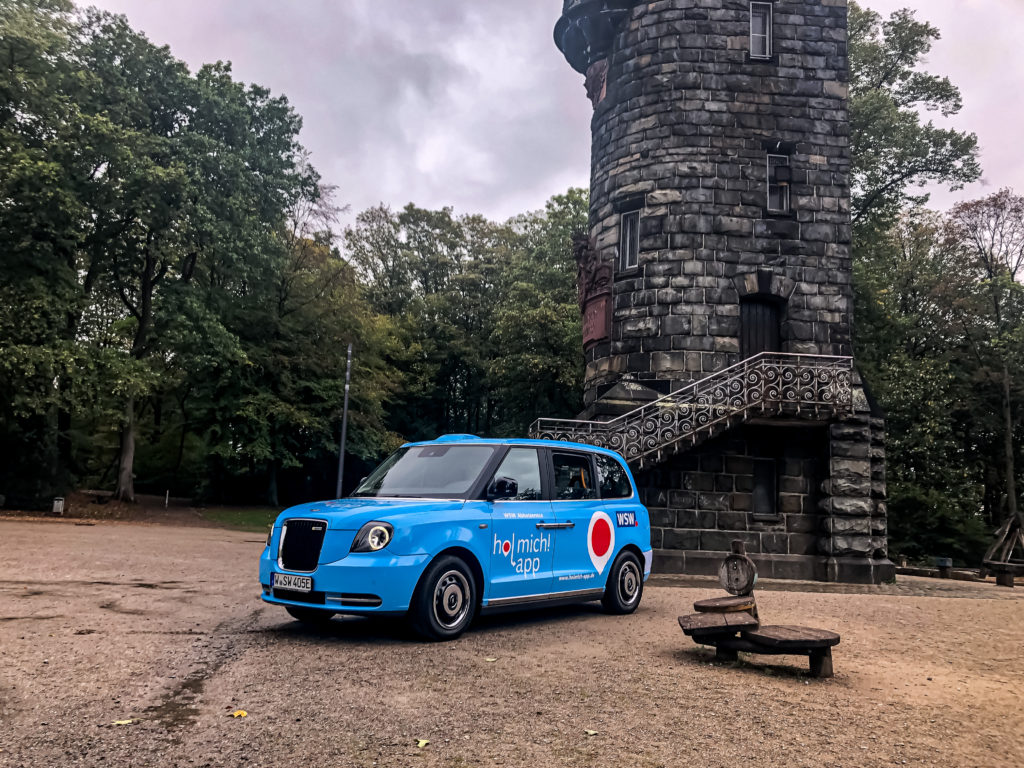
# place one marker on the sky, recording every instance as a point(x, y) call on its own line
point(467, 103)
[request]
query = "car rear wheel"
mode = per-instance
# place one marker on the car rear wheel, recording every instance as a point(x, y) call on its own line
point(311, 616)
point(625, 585)
point(445, 601)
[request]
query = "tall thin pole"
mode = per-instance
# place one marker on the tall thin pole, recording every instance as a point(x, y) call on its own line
point(344, 425)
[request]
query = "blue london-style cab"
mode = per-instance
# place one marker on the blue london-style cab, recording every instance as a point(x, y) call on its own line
point(446, 529)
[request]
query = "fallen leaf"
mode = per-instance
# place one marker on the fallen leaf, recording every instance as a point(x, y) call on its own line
point(123, 722)
point(490, 659)
point(591, 733)
point(240, 713)
point(421, 743)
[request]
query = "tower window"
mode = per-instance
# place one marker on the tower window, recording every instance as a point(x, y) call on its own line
point(629, 242)
point(779, 176)
point(760, 30)
point(766, 495)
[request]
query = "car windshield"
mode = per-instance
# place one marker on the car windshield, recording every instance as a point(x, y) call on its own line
point(428, 471)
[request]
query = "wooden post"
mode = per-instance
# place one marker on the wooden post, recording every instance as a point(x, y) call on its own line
point(821, 663)
point(725, 654)
point(1005, 579)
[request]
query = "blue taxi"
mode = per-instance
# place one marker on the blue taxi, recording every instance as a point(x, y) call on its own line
point(447, 529)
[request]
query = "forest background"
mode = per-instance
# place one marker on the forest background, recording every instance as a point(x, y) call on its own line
point(177, 297)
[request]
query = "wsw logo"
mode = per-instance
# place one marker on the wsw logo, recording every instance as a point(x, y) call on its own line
point(600, 540)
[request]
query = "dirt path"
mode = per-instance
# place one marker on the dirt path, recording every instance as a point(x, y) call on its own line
point(161, 626)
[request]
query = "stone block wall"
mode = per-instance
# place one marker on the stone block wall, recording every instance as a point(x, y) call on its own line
point(683, 131)
point(701, 501)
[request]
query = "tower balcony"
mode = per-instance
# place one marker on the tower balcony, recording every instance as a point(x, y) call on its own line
point(587, 28)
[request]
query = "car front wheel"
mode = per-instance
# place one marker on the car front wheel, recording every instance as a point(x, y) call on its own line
point(625, 585)
point(445, 601)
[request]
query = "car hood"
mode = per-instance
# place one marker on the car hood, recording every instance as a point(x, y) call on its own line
point(353, 514)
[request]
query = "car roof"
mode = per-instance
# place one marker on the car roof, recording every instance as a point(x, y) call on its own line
point(474, 439)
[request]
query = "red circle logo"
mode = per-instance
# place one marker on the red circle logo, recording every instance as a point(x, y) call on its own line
point(601, 537)
point(506, 547)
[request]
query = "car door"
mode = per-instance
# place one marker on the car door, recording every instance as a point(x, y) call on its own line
point(585, 535)
point(522, 543)
point(621, 502)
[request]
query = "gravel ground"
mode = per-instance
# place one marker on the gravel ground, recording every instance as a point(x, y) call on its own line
point(161, 626)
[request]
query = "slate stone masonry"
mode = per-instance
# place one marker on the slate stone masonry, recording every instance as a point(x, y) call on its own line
point(686, 124)
point(683, 124)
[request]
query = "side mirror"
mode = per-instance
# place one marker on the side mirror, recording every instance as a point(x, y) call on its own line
point(503, 488)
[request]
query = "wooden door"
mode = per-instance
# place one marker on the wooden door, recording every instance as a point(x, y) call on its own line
point(760, 328)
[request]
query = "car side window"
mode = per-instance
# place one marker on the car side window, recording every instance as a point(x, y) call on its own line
point(612, 478)
point(573, 477)
point(522, 466)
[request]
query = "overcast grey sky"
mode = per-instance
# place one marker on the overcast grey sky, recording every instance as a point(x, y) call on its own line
point(468, 103)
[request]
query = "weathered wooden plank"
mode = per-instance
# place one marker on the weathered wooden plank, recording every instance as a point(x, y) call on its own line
point(788, 637)
point(732, 604)
point(728, 646)
point(716, 623)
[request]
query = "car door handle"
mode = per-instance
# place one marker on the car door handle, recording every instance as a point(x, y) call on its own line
point(555, 526)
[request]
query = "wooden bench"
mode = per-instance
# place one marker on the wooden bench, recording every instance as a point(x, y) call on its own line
point(1005, 572)
point(816, 644)
point(731, 626)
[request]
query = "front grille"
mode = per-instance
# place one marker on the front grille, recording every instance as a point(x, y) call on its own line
point(301, 541)
point(315, 598)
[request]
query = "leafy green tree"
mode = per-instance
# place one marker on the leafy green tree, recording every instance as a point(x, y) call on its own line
point(196, 175)
point(988, 237)
point(907, 346)
point(294, 326)
point(538, 365)
point(895, 151)
point(38, 240)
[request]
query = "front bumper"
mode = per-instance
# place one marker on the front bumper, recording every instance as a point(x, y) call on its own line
point(350, 584)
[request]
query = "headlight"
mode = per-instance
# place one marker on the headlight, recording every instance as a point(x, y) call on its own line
point(270, 535)
point(373, 537)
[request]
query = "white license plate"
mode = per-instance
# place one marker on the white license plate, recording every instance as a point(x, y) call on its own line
point(288, 581)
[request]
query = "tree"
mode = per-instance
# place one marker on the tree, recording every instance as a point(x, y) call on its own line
point(294, 325)
point(196, 174)
point(988, 235)
point(894, 150)
point(538, 365)
point(38, 240)
point(909, 350)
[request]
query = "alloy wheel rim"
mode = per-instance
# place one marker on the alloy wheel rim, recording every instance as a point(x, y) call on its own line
point(629, 583)
point(451, 599)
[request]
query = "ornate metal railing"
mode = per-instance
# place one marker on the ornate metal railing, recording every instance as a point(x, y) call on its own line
point(767, 383)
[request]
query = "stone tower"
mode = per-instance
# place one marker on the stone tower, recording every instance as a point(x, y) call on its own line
point(715, 281)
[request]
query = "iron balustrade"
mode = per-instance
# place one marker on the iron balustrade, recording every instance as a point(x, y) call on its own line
point(766, 383)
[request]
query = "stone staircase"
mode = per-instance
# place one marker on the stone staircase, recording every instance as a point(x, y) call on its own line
point(769, 384)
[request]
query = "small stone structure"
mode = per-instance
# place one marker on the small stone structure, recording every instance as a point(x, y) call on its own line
point(720, 232)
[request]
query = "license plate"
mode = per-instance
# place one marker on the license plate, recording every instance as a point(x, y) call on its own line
point(294, 583)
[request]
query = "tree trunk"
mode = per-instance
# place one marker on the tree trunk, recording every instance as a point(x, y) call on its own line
point(125, 479)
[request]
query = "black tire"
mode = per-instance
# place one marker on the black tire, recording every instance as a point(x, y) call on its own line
point(625, 585)
point(445, 601)
point(313, 617)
